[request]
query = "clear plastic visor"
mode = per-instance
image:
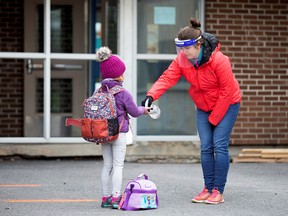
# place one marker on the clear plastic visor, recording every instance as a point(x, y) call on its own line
point(183, 61)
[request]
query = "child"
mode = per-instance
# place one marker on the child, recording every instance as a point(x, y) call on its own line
point(112, 70)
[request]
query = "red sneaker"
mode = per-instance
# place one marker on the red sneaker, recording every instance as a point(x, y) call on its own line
point(202, 196)
point(215, 198)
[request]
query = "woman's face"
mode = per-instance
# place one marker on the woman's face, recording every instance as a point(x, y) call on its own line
point(191, 52)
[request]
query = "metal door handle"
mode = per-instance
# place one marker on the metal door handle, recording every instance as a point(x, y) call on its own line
point(30, 66)
point(67, 67)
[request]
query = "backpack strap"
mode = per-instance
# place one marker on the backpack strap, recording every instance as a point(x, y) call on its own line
point(142, 175)
point(116, 89)
point(73, 121)
point(99, 90)
point(121, 124)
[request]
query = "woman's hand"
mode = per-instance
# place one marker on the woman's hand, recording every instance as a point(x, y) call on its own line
point(150, 100)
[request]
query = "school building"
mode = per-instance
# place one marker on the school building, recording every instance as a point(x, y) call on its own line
point(48, 67)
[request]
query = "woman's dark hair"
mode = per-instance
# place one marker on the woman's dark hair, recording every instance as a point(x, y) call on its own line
point(190, 32)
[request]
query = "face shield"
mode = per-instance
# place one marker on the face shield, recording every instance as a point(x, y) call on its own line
point(184, 61)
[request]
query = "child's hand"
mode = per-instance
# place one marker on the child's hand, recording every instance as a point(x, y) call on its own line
point(147, 109)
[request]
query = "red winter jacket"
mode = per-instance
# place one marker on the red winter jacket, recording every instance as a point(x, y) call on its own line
point(213, 85)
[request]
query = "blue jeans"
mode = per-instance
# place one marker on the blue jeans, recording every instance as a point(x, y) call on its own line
point(215, 158)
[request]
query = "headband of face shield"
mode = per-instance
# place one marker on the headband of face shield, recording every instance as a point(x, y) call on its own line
point(189, 42)
point(185, 43)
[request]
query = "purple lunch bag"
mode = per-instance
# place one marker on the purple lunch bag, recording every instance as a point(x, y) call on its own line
point(139, 194)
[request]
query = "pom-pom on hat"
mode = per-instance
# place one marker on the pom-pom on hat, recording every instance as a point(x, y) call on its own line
point(110, 65)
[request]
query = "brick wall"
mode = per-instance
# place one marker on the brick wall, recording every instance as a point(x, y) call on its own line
point(254, 34)
point(11, 75)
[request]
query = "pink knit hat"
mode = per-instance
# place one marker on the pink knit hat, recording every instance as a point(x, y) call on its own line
point(110, 65)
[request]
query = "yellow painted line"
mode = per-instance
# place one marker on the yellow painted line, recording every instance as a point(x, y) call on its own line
point(20, 185)
point(52, 201)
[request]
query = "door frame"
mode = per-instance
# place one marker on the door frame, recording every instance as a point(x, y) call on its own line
point(32, 119)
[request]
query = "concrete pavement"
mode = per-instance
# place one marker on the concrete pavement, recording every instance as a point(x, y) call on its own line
point(73, 188)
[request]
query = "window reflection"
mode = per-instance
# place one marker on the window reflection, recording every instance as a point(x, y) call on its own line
point(106, 24)
point(177, 108)
point(61, 95)
point(160, 21)
point(61, 28)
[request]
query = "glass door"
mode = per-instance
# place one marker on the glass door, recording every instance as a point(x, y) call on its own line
point(68, 77)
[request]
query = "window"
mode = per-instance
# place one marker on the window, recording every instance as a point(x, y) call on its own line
point(157, 25)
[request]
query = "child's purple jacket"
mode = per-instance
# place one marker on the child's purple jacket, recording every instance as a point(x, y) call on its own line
point(125, 104)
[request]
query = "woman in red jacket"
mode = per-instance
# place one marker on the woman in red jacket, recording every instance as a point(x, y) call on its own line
point(217, 96)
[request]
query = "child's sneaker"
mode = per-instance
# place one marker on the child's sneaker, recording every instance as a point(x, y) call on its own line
point(215, 198)
point(106, 202)
point(115, 202)
point(202, 196)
